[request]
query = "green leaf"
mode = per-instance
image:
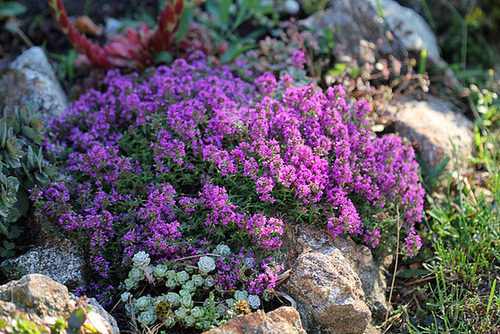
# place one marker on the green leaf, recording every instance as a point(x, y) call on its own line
point(37, 124)
point(3, 132)
point(162, 57)
point(242, 14)
point(23, 203)
point(212, 8)
point(8, 245)
point(423, 61)
point(186, 18)
point(32, 134)
point(14, 215)
point(48, 171)
point(408, 273)
point(380, 10)
point(6, 253)
point(4, 209)
point(30, 158)
point(234, 50)
point(12, 186)
point(224, 12)
point(14, 123)
point(424, 165)
point(3, 229)
point(11, 8)
point(337, 70)
point(25, 114)
point(355, 71)
point(14, 158)
point(437, 171)
point(13, 146)
point(14, 232)
point(77, 318)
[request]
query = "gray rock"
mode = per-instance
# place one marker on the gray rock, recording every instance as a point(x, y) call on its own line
point(112, 28)
point(30, 80)
point(411, 30)
point(63, 262)
point(361, 20)
point(35, 60)
point(39, 297)
point(430, 125)
point(284, 320)
point(97, 308)
point(440, 11)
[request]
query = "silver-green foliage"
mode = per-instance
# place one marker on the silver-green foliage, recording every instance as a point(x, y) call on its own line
point(22, 165)
point(184, 302)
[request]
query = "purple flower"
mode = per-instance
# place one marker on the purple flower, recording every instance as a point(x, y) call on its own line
point(266, 231)
point(298, 59)
point(413, 242)
point(266, 84)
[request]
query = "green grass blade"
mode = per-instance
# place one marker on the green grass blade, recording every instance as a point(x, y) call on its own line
point(380, 10)
point(492, 294)
point(423, 61)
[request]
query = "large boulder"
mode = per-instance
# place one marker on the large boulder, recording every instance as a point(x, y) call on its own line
point(440, 13)
point(305, 238)
point(30, 80)
point(336, 283)
point(39, 297)
point(328, 293)
point(354, 21)
point(430, 125)
point(284, 320)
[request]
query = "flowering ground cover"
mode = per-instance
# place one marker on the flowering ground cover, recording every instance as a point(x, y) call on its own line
point(183, 160)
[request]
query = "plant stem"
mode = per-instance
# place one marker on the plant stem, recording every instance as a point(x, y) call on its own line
point(395, 264)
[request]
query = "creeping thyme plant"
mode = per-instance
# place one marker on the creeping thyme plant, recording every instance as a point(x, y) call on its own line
point(184, 176)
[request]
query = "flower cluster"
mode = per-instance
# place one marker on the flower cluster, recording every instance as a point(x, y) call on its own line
point(188, 157)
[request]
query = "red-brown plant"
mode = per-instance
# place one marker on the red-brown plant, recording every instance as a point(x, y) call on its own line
point(134, 49)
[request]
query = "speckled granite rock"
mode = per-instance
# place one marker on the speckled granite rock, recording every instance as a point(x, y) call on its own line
point(329, 295)
point(284, 320)
point(63, 262)
point(371, 275)
point(30, 80)
point(38, 296)
point(304, 238)
point(37, 292)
